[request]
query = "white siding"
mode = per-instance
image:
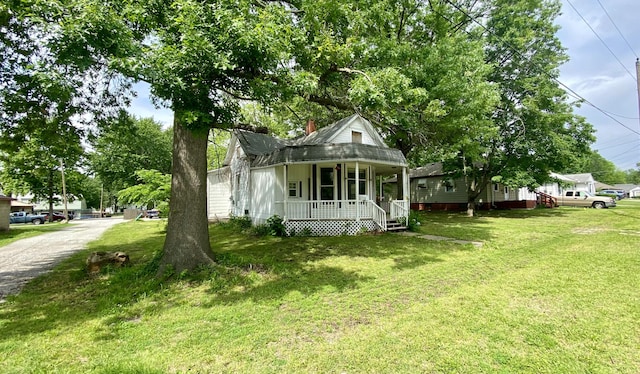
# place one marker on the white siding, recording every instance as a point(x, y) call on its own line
point(240, 178)
point(300, 174)
point(219, 193)
point(264, 184)
point(344, 136)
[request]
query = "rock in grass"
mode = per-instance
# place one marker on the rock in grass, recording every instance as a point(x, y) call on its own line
point(97, 260)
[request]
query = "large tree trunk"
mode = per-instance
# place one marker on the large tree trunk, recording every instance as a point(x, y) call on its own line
point(187, 243)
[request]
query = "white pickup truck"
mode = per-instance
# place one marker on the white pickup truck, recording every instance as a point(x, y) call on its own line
point(585, 199)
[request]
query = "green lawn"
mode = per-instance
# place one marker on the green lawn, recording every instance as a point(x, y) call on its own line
point(22, 231)
point(550, 291)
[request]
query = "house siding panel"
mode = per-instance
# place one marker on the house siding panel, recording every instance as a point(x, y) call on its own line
point(435, 192)
point(5, 210)
point(264, 184)
point(344, 136)
point(219, 193)
point(240, 182)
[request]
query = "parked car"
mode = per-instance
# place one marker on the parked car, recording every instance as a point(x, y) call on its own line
point(620, 194)
point(24, 217)
point(57, 216)
point(153, 213)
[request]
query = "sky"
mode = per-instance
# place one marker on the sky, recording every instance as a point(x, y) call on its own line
point(604, 72)
point(601, 70)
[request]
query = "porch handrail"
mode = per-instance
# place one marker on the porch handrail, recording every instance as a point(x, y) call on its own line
point(399, 209)
point(327, 209)
point(379, 216)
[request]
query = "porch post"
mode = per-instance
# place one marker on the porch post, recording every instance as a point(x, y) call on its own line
point(405, 184)
point(286, 191)
point(357, 192)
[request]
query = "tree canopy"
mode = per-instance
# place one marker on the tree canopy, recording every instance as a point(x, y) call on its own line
point(472, 84)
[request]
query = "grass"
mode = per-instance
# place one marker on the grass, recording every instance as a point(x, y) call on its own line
point(23, 231)
point(550, 291)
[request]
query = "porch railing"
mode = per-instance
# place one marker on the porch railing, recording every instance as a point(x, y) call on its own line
point(399, 209)
point(335, 209)
point(379, 216)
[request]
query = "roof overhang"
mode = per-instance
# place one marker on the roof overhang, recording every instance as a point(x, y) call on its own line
point(332, 153)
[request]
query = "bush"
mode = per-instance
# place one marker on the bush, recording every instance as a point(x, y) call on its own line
point(414, 221)
point(241, 223)
point(276, 226)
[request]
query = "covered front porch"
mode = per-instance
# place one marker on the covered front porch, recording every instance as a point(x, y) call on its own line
point(342, 198)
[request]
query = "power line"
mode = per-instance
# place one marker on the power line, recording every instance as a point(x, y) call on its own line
point(602, 41)
point(543, 71)
point(617, 145)
point(616, 26)
point(625, 153)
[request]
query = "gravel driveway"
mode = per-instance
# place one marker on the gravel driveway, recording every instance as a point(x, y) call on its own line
point(27, 258)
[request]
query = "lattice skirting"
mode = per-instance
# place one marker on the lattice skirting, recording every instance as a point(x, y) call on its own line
point(330, 228)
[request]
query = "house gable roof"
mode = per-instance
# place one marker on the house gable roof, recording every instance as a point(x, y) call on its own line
point(581, 178)
point(433, 169)
point(329, 134)
point(264, 150)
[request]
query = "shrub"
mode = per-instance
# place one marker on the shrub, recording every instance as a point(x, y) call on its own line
point(414, 221)
point(276, 226)
point(241, 223)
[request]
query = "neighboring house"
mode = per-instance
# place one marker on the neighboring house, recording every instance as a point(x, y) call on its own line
point(325, 182)
point(5, 211)
point(19, 206)
point(630, 190)
point(27, 203)
point(583, 182)
point(433, 189)
point(558, 186)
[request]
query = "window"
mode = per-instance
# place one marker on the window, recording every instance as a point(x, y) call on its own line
point(577, 194)
point(422, 183)
point(356, 137)
point(506, 189)
point(569, 193)
point(495, 187)
point(449, 186)
point(351, 183)
point(294, 190)
point(326, 184)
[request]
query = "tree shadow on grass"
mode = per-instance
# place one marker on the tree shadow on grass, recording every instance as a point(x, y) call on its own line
point(457, 225)
point(307, 265)
point(251, 268)
point(68, 296)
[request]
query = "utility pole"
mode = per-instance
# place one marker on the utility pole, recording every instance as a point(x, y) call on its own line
point(638, 81)
point(64, 192)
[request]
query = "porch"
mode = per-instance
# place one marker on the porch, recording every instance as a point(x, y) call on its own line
point(342, 217)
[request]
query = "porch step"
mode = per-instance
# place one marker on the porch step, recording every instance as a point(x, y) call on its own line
point(395, 226)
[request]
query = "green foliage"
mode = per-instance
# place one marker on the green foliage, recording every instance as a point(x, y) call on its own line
point(153, 190)
point(603, 170)
point(414, 221)
point(238, 223)
point(276, 226)
point(125, 145)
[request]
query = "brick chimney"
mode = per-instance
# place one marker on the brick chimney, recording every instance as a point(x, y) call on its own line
point(311, 127)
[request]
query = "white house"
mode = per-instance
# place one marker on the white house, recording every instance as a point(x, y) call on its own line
point(327, 182)
point(583, 182)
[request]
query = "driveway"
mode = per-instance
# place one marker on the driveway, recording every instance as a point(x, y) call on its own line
point(26, 259)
